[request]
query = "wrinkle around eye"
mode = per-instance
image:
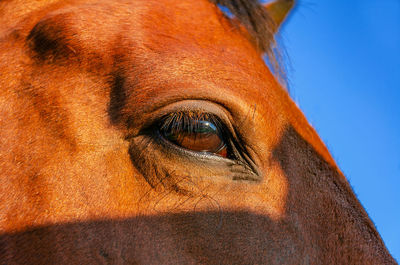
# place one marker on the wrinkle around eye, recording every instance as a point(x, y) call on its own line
point(224, 150)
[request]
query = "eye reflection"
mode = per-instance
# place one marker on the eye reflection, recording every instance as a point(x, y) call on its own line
point(194, 133)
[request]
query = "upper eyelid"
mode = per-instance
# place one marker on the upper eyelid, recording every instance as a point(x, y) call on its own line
point(154, 118)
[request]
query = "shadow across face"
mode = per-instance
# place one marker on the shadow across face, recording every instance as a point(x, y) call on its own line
point(184, 238)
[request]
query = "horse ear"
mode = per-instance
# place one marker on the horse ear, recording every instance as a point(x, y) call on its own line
point(278, 10)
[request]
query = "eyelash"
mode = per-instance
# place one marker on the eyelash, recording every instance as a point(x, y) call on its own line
point(190, 120)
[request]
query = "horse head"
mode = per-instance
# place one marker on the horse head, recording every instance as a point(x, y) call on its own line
point(153, 132)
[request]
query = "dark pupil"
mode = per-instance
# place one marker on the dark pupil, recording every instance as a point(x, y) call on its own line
point(196, 135)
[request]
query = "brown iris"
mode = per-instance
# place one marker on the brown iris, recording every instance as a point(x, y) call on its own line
point(194, 133)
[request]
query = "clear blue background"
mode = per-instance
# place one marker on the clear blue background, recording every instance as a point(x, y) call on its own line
point(345, 75)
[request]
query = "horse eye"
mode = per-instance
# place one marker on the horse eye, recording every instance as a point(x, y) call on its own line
point(195, 135)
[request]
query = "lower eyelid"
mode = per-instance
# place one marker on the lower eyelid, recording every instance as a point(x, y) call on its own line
point(183, 151)
point(152, 153)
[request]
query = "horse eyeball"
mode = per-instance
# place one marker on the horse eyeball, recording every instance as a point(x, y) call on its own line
point(202, 136)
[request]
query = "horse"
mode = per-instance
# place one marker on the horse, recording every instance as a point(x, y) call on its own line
point(153, 132)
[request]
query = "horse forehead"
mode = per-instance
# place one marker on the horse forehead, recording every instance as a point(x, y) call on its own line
point(196, 21)
point(159, 26)
point(184, 38)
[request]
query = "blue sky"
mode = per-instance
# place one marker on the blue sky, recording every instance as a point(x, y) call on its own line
point(345, 76)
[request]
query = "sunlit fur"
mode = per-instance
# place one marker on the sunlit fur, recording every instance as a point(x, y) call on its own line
point(85, 179)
